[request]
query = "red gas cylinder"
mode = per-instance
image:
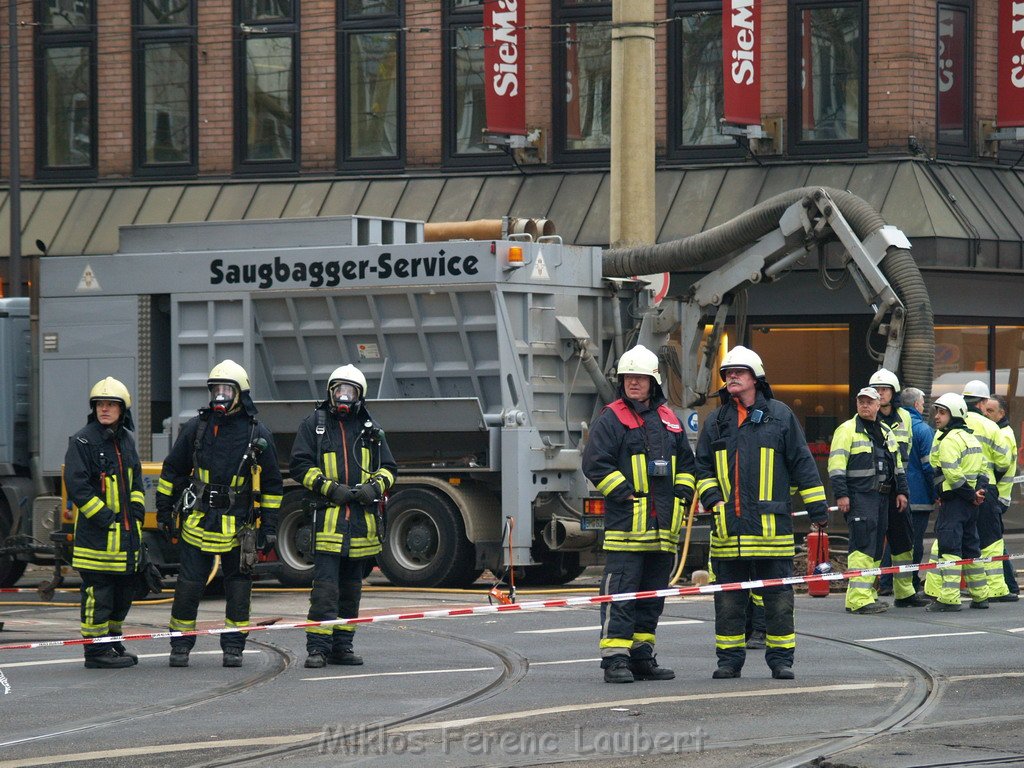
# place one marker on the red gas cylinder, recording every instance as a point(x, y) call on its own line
point(817, 553)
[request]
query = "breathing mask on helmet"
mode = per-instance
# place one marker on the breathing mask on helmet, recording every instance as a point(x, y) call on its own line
point(344, 396)
point(222, 397)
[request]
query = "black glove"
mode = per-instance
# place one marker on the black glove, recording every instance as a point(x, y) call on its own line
point(165, 513)
point(340, 494)
point(365, 493)
point(138, 511)
point(818, 514)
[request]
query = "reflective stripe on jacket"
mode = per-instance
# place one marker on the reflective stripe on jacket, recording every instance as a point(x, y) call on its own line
point(745, 474)
point(998, 459)
point(224, 442)
point(958, 461)
point(853, 457)
point(643, 512)
point(103, 477)
point(347, 455)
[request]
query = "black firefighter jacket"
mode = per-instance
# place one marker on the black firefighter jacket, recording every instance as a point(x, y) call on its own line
point(643, 513)
point(753, 468)
point(348, 453)
point(225, 500)
point(103, 478)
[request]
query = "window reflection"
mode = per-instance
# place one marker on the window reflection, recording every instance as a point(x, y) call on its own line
point(373, 95)
point(702, 94)
point(470, 108)
point(830, 73)
point(167, 111)
point(588, 86)
point(270, 98)
point(165, 12)
point(951, 75)
point(64, 15)
point(68, 107)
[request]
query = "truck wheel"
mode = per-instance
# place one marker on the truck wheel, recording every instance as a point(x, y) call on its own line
point(10, 569)
point(295, 544)
point(425, 543)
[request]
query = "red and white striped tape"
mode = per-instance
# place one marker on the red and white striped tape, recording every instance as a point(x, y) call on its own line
point(567, 602)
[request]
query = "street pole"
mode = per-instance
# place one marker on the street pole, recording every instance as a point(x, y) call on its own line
point(631, 219)
point(14, 196)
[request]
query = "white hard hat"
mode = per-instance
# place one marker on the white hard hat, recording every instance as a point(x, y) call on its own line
point(231, 372)
point(639, 360)
point(869, 392)
point(884, 378)
point(976, 388)
point(953, 403)
point(348, 373)
point(110, 389)
point(741, 357)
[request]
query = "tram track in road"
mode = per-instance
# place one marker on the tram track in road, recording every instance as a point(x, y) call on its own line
point(513, 668)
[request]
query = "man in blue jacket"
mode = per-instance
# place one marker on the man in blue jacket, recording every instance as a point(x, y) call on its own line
point(920, 476)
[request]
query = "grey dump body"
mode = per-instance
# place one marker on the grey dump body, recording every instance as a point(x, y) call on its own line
point(470, 362)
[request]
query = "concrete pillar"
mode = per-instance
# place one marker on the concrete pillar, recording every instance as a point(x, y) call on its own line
point(631, 220)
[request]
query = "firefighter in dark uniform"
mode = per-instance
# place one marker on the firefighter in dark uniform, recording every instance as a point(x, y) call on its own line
point(341, 456)
point(750, 453)
point(228, 461)
point(103, 478)
point(638, 457)
point(866, 469)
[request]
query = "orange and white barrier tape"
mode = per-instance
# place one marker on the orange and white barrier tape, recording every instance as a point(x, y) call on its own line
point(567, 602)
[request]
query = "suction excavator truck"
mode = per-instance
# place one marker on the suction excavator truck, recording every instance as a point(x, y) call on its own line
point(486, 360)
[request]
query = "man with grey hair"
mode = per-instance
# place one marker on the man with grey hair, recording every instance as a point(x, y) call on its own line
point(995, 409)
point(919, 471)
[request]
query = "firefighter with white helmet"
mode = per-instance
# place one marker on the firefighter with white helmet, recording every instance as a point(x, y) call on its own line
point(638, 457)
point(999, 462)
point(750, 452)
point(866, 471)
point(960, 478)
point(223, 472)
point(342, 457)
point(995, 409)
point(103, 478)
point(899, 530)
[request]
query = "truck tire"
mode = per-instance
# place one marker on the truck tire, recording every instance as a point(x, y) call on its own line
point(425, 543)
point(295, 543)
point(10, 569)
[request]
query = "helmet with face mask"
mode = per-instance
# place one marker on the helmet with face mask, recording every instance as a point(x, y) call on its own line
point(227, 381)
point(345, 389)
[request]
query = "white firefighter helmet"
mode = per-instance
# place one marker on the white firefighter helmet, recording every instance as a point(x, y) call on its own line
point(953, 403)
point(348, 373)
point(110, 389)
point(742, 357)
point(883, 377)
point(976, 388)
point(230, 372)
point(640, 361)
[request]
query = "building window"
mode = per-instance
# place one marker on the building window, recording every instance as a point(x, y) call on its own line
point(165, 87)
point(371, 95)
point(465, 107)
point(697, 93)
point(266, 111)
point(828, 98)
point(953, 79)
point(582, 81)
point(66, 89)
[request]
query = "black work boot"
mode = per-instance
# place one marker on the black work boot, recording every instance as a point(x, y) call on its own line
point(725, 673)
point(756, 639)
point(232, 657)
point(179, 656)
point(344, 657)
point(108, 659)
point(646, 668)
point(120, 650)
point(616, 670)
point(782, 672)
point(315, 661)
point(916, 600)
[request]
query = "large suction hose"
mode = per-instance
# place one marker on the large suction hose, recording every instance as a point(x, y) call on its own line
point(695, 251)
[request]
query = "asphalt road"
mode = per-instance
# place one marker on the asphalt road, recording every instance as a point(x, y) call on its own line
point(906, 688)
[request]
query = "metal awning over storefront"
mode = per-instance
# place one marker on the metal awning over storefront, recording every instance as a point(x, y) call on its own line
point(957, 216)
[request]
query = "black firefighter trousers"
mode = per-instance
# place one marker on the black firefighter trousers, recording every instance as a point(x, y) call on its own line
point(337, 589)
point(628, 627)
point(193, 570)
point(731, 611)
point(106, 598)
